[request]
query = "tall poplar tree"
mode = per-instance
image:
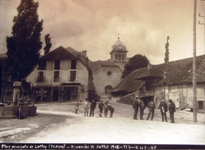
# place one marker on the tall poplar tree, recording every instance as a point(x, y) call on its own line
point(48, 44)
point(24, 45)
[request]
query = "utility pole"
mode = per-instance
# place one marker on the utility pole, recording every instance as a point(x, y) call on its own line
point(194, 65)
point(204, 27)
point(204, 44)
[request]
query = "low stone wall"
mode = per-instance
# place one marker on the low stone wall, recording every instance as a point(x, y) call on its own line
point(9, 111)
point(17, 111)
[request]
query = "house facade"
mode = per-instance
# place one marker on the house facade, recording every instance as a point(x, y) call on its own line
point(61, 76)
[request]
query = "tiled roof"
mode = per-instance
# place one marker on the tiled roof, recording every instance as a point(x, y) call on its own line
point(172, 73)
point(180, 71)
point(130, 84)
point(97, 64)
point(59, 53)
point(78, 55)
point(151, 73)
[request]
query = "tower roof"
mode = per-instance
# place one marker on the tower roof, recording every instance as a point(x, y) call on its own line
point(119, 46)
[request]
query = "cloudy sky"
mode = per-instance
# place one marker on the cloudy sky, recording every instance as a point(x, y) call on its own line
point(95, 25)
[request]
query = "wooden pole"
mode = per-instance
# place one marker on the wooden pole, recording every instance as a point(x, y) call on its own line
point(194, 65)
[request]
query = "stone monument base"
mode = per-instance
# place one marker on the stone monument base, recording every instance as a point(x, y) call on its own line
point(20, 112)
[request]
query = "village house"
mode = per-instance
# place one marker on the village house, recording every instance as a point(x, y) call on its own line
point(62, 75)
point(170, 80)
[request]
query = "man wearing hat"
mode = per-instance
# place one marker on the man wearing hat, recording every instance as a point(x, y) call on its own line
point(142, 107)
point(172, 109)
point(135, 106)
point(163, 110)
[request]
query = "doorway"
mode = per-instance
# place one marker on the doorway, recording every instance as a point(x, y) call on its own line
point(55, 94)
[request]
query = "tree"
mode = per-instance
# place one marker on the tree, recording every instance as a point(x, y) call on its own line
point(135, 62)
point(23, 46)
point(166, 59)
point(48, 44)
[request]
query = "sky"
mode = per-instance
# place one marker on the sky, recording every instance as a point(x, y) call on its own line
point(95, 25)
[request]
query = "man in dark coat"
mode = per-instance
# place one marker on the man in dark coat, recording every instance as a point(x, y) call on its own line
point(142, 107)
point(92, 107)
point(100, 106)
point(163, 110)
point(151, 107)
point(106, 103)
point(111, 109)
point(172, 109)
point(135, 107)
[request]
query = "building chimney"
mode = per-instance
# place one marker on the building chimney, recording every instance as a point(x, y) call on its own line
point(84, 53)
point(165, 74)
point(149, 66)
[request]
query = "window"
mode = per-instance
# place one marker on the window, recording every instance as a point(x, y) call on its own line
point(116, 56)
point(73, 75)
point(57, 64)
point(56, 76)
point(123, 57)
point(119, 56)
point(73, 64)
point(109, 73)
point(40, 76)
point(73, 70)
point(42, 65)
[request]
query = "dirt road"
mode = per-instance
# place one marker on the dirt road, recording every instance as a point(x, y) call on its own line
point(121, 128)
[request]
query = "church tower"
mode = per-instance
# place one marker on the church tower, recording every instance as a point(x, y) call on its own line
point(119, 52)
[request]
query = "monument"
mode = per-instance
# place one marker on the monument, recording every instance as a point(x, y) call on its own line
point(21, 106)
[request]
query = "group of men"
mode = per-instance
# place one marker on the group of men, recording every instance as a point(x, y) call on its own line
point(102, 106)
point(106, 107)
point(163, 106)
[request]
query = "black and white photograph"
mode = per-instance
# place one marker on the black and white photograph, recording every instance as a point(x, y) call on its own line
point(102, 74)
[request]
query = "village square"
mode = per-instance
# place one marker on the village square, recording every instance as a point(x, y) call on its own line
point(53, 93)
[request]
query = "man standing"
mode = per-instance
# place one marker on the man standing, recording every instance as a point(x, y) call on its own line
point(100, 106)
point(135, 106)
point(86, 106)
point(142, 107)
point(106, 103)
point(163, 110)
point(151, 107)
point(92, 107)
point(172, 109)
point(111, 109)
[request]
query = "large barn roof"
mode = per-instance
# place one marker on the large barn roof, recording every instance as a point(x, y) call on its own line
point(171, 73)
point(180, 71)
point(130, 84)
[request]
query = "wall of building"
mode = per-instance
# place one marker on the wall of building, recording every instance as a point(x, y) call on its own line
point(64, 77)
point(182, 95)
point(102, 79)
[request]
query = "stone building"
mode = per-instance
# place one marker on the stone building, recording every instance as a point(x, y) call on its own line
point(107, 74)
point(61, 75)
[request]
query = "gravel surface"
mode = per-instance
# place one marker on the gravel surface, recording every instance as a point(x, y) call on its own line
point(119, 129)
